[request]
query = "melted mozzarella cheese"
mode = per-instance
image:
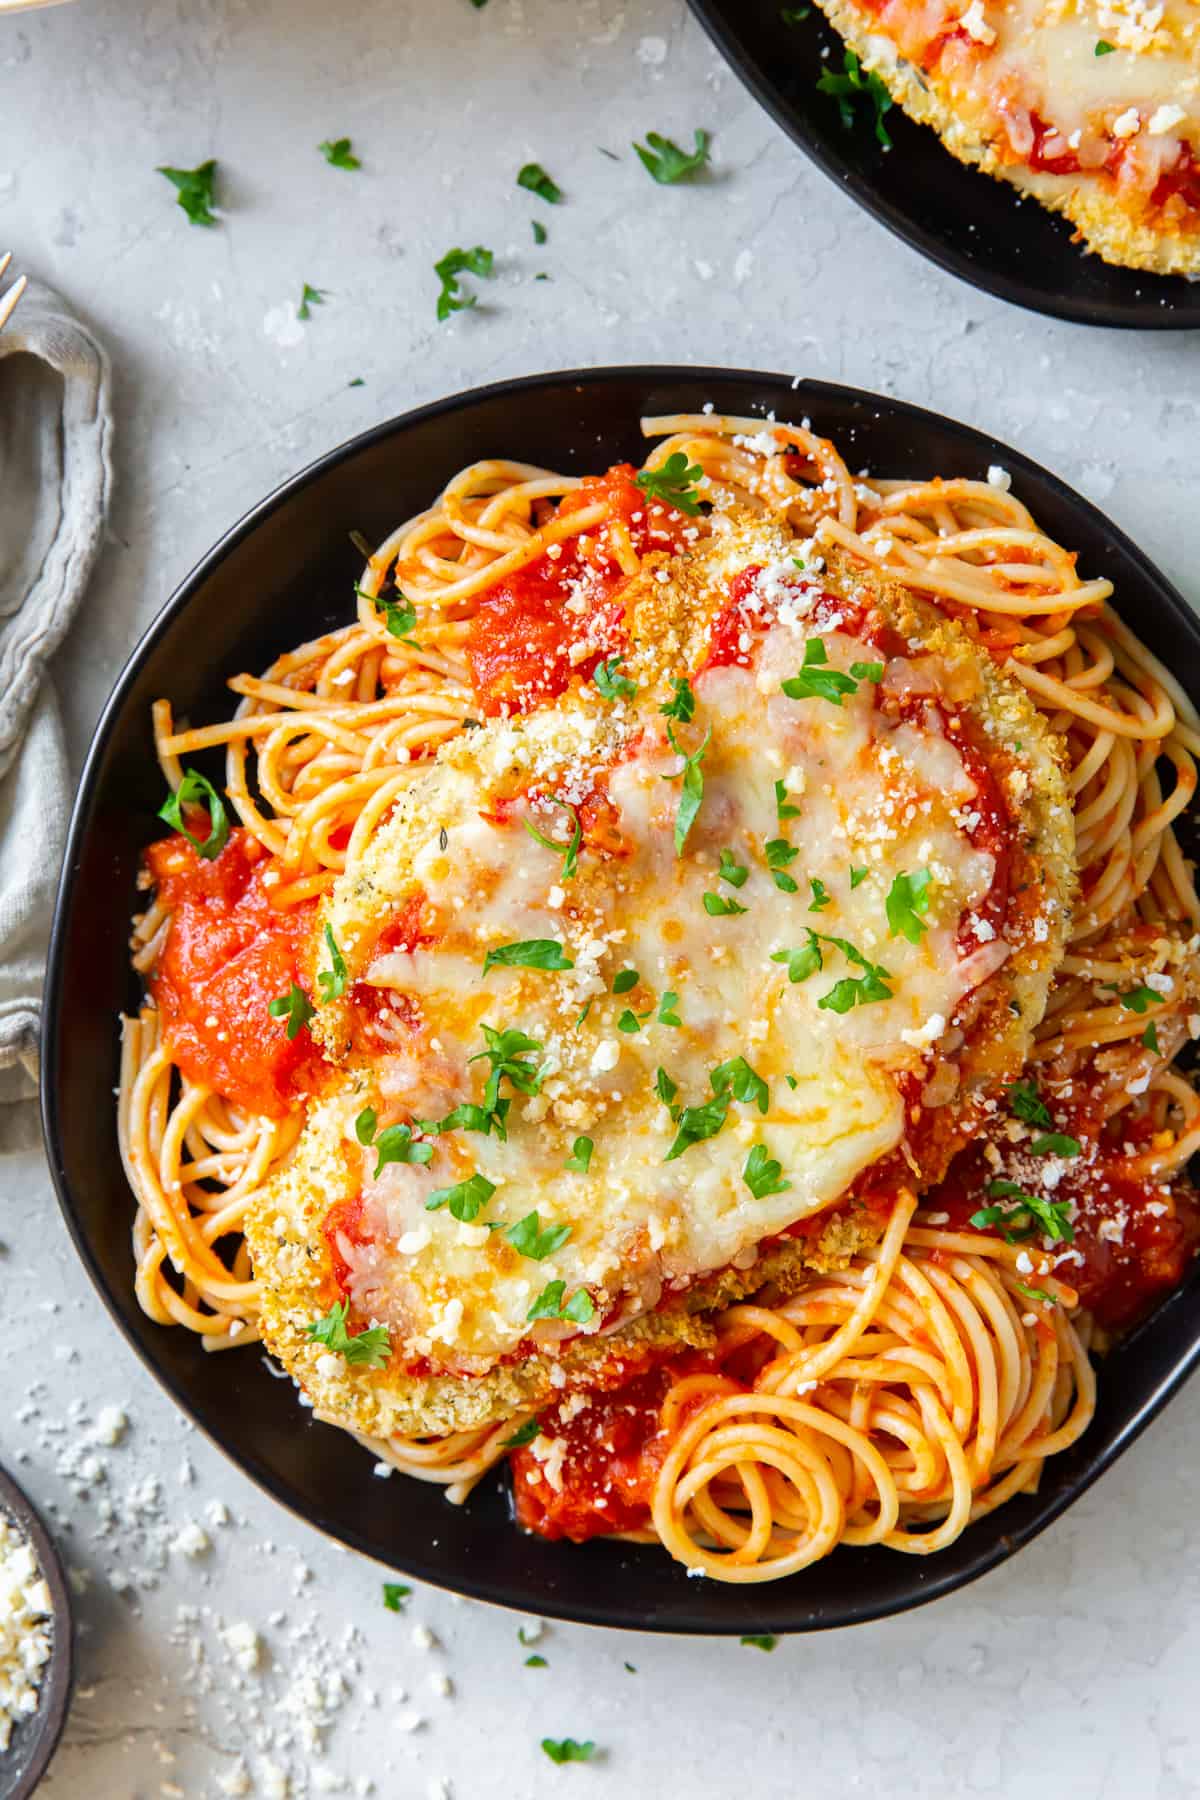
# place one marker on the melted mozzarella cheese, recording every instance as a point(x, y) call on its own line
point(891, 798)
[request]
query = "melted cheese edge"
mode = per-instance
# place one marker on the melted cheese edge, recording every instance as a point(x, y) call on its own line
point(890, 798)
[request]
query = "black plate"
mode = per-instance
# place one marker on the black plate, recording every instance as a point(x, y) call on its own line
point(963, 220)
point(286, 573)
point(35, 1739)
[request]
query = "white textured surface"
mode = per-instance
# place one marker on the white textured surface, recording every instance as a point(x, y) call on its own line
point(1070, 1673)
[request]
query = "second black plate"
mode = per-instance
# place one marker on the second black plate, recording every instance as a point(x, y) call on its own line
point(965, 221)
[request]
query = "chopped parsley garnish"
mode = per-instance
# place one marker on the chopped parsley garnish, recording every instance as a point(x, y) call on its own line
point(847, 89)
point(338, 153)
point(400, 615)
point(816, 681)
point(1150, 1038)
point(850, 991)
point(765, 1640)
point(466, 1199)
point(666, 1089)
point(783, 806)
point(732, 871)
point(565, 1750)
point(717, 906)
point(779, 854)
point(1055, 1143)
point(394, 1595)
point(395, 1145)
point(364, 1125)
point(1103, 47)
point(762, 1174)
point(524, 1434)
point(536, 1662)
point(311, 297)
point(197, 790)
point(692, 791)
point(1027, 1211)
point(610, 682)
point(1139, 999)
point(507, 1052)
point(857, 877)
point(674, 483)
point(666, 1009)
point(535, 178)
point(803, 962)
point(568, 851)
point(630, 1667)
point(907, 904)
point(1028, 1104)
point(295, 1007)
point(580, 1158)
point(452, 298)
point(469, 1117)
point(682, 704)
point(194, 191)
point(528, 1238)
point(791, 15)
point(531, 953)
point(821, 897)
point(370, 1348)
point(736, 1077)
point(663, 159)
point(629, 1021)
point(695, 1123)
point(550, 1304)
point(333, 980)
point(628, 978)
point(1032, 1293)
point(539, 231)
point(867, 671)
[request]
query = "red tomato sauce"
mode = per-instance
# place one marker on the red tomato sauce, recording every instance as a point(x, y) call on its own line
point(1117, 1281)
point(228, 954)
point(1180, 182)
point(344, 1219)
point(519, 642)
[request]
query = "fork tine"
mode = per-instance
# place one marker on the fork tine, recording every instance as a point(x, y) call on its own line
point(8, 301)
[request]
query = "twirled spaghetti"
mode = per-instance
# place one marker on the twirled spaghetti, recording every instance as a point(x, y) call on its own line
point(886, 1402)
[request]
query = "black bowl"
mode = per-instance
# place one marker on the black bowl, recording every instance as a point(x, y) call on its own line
point(963, 220)
point(35, 1739)
point(286, 573)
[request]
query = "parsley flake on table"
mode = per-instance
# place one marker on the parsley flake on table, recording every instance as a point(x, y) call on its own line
point(452, 298)
point(580, 1158)
point(197, 790)
point(369, 1349)
point(816, 681)
point(763, 1640)
point(295, 1007)
point(532, 953)
point(568, 851)
point(311, 297)
point(551, 1305)
point(536, 1662)
point(528, 1238)
point(333, 980)
point(719, 906)
point(394, 1595)
point(907, 904)
point(674, 482)
point(662, 158)
point(539, 231)
point(609, 682)
point(535, 178)
point(339, 154)
point(762, 1174)
point(465, 1200)
point(194, 190)
point(848, 87)
point(566, 1750)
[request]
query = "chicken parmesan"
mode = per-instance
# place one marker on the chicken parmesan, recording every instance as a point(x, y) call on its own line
point(1090, 106)
point(679, 1004)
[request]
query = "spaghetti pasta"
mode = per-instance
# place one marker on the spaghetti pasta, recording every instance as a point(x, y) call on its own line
point(887, 1402)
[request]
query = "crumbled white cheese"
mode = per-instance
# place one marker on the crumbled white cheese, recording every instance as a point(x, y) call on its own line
point(26, 1612)
point(975, 25)
point(1127, 124)
point(999, 477)
point(1165, 118)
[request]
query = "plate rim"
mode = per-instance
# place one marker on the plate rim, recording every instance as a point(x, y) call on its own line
point(812, 392)
point(712, 15)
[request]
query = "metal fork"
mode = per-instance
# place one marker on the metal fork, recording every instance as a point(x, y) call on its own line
point(9, 300)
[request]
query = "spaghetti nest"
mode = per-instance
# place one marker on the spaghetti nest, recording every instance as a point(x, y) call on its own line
point(927, 1381)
